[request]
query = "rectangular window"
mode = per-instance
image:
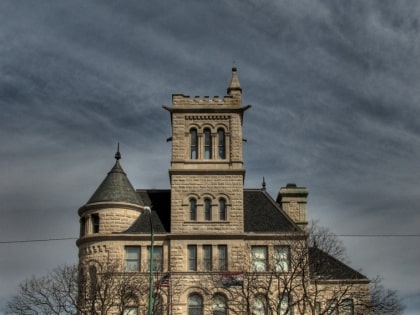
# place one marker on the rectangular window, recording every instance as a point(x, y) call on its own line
point(259, 258)
point(222, 257)
point(82, 226)
point(95, 223)
point(157, 258)
point(132, 258)
point(282, 258)
point(192, 258)
point(207, 258)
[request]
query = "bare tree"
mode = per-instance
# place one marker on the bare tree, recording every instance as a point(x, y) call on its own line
point(55, 293)
point(94, 288)
point(312, 280)
point(384, 301)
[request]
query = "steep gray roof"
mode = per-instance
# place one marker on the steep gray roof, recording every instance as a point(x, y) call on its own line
point(116, 187)
point(160, 203)
point(325, 267)
point(263, 215)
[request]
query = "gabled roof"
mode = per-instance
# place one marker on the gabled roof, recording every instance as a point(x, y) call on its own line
point(261, 213)
point(325, 267)
point(116, 188)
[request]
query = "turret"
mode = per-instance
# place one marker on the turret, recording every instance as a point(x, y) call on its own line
point(113, 207)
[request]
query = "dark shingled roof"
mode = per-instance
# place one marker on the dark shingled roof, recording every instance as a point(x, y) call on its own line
point(261, 214)
point(116, 187)
point(325, 267)
point(160, 203)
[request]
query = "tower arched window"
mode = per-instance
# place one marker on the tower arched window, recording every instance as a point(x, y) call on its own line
point(207, 144)
point(221, 142)
point(193, 144)
point(222, 209)
point(207, 209)
point(219, 305)
point(193, 209)
point(195, 304)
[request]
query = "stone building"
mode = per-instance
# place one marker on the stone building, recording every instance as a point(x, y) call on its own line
point(218, 248)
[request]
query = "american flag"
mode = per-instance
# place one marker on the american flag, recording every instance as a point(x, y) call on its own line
point(231, 279)
point(164, 281)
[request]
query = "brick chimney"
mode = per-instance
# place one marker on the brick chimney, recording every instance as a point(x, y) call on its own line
point(292, 200)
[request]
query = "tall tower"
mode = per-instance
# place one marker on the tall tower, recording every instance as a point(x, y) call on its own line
point(207, 172)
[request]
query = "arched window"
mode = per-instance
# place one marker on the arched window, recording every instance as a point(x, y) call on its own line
point(285, 305)
point(221, 143)
point(219, 305)
point(259, 306)
point(193, 209)
point(207, 144)
point(193, 144)
point(348, 307)
point(222, 209)
point(207, 209)
point(195, 304)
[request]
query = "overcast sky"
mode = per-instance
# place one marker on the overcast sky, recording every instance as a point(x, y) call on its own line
point(335, 94)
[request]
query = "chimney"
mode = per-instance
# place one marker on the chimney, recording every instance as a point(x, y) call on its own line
point(292, 200)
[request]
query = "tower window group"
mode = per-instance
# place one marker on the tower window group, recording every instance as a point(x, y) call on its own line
point(209, 141)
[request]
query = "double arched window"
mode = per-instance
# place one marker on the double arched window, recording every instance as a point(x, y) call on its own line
point(195, 304)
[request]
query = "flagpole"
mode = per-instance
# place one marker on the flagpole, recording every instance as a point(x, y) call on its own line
point(150, 262)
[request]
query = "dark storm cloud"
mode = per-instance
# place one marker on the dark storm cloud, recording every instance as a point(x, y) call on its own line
point(334, 89)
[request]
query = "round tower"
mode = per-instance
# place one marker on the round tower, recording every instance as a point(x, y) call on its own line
point(113, 208)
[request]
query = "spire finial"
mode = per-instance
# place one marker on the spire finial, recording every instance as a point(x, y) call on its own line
point(118, 154)
point(263, 183)
point(234, 86)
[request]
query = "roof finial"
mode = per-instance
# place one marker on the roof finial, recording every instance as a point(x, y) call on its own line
point(234, 86)
point(118, 154)
point(263, 183)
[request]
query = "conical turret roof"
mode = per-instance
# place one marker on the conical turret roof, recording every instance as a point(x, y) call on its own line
point(234, 82)
point(116, 187)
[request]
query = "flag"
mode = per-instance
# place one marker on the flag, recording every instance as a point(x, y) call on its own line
point(231, 279)
point(164, 281)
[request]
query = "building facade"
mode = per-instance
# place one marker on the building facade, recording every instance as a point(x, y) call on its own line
point(217, 248)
